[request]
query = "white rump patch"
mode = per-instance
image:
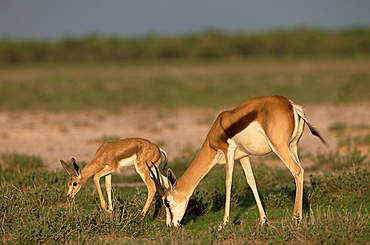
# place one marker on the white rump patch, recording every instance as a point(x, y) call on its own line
point(298, 108)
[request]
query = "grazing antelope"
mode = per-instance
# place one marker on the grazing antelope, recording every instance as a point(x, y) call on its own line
point(256, 127)
point(109, 158)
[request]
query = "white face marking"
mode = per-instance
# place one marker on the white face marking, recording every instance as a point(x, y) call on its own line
point(74, 186)
point(174, 211)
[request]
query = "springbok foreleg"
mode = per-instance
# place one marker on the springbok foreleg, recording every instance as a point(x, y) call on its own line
point(229, 179)
point(245, 162)
point(108, 189)
point(103, 204)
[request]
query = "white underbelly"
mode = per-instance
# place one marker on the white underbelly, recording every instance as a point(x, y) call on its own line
point(252, 140)
point(127, 161)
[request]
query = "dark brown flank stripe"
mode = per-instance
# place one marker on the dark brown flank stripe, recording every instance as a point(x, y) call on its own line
point(126, 154)
point(241, 124)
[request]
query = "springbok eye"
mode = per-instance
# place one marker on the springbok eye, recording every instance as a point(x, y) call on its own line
point(74, 183)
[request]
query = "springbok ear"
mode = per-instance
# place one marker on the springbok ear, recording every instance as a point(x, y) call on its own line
point(172, 181)
point(67, 168)
point(77, 167)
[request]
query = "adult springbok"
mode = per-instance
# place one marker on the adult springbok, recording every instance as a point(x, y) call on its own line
point(109, 158)
point(256, 127)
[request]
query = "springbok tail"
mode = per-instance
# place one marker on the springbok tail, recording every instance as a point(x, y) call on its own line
point(313, 130)
point(300, 111)
point(165, 158)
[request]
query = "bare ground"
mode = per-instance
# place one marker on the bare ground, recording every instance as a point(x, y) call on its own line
point(55, 136)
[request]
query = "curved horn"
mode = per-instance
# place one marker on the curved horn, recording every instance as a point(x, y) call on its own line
point(156, 179)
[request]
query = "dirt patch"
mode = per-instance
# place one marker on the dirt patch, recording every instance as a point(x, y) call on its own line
point(55, 136)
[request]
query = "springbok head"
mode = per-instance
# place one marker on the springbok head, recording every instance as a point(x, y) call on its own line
point(174, 201)
point(75, 180)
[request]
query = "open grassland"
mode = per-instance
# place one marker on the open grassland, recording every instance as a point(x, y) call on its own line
point(180, 84)
point(34, 209)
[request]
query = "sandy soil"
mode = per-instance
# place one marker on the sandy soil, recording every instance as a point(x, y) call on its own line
point(55, 136)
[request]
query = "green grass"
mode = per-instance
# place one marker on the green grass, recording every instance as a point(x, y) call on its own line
point(172, 85)
point(337, 160)
point(10, 163)
point(34, 210)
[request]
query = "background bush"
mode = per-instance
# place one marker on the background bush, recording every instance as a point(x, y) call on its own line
point(208, 45)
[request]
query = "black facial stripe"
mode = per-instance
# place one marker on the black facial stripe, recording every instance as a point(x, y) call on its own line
point(167, 204)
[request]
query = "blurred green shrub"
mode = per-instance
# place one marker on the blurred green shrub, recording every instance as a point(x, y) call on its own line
point(14, 162)
point(207, 45)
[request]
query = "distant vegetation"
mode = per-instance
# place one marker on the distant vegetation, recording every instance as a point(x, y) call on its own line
point(208, 69)
point(171, 85)
point(208, 45)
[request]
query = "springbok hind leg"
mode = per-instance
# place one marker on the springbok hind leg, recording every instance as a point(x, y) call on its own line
point(290, 159)
point(150, 185)
point(151, 192)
